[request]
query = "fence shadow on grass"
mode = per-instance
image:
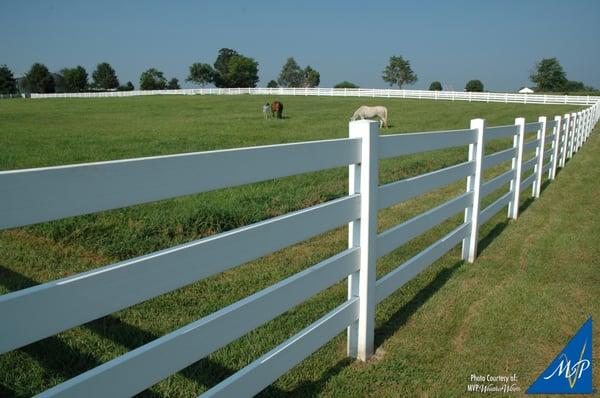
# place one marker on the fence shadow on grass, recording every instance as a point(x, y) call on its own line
point(8, 392)
point(485, 241)
point(308, 388)
point(400, 317)
point(491, 236)
point(56, 357)
point(65, 361)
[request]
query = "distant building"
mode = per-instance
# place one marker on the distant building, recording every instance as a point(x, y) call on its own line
point(525, 90)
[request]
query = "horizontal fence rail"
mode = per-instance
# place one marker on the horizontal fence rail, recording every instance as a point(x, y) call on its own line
point(408, 270)
point(405, 144)
point(148, 276)
point(266, 369)
point(493, 133)
point(150, 363)
point(51, 193)
point(348, 92)
point(498, 158)
point(402, 233)
point(403, 190)
point(45, 194)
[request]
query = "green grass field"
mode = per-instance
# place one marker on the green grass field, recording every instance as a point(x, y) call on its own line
point(533, 285)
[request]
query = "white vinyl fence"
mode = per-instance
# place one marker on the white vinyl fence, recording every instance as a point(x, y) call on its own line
point(44, 194)
point(12, 96)
point(349, 92)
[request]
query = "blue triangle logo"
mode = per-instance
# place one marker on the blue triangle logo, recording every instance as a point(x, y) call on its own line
point(571, 370)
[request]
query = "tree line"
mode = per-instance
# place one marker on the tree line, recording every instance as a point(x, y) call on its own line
point(548, 75)
point(232, 69)
point(76, 80)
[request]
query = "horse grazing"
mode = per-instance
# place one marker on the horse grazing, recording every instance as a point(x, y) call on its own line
point(369, 112)
point(277, 109)
point(266, 107)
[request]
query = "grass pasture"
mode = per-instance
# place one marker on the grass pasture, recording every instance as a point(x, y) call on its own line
point(432, 334)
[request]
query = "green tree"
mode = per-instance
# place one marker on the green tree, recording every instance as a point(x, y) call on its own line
point(435, 86)
point(234, 70)
point(241, 72)
point(222, 66)
point(291, 74)
point(39, 79)
point(549, 75)
point(474, 86)
point(8, 83)
point(230, 70)
point(345, 84)
point(399, 72)
point(312, 78)
point(173, 84)
point(74, 79)
point(104, 77)
point(272, 84)
point(201, 74)
point(152, 79)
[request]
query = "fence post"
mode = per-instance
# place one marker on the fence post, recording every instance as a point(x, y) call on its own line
point(563, 154)
point(476, 151)
point(590, 123)
point(582, 129)
point(584, 126)
point(595, 113)
point(363, 233)
point(586, 123)
point(583, 123)
point(517, 162)
point(539, 151)
point(576, 132)
point(555, 144)
point(572, 135)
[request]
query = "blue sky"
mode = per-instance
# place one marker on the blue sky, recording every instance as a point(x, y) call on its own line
point(497, 42)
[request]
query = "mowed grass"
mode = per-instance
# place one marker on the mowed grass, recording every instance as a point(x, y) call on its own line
point(427, 343)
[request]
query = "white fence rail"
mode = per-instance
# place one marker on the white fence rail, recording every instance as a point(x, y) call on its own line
point(45, 194)
point(348, 92)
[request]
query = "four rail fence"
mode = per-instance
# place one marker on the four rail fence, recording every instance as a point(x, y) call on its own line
point(44, 194)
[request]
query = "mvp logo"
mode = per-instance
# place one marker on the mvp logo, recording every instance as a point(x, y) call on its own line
point(571, 370)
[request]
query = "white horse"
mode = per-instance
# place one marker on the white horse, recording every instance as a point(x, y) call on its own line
point(369, 112)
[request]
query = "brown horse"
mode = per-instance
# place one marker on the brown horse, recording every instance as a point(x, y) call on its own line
point(277, 109)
